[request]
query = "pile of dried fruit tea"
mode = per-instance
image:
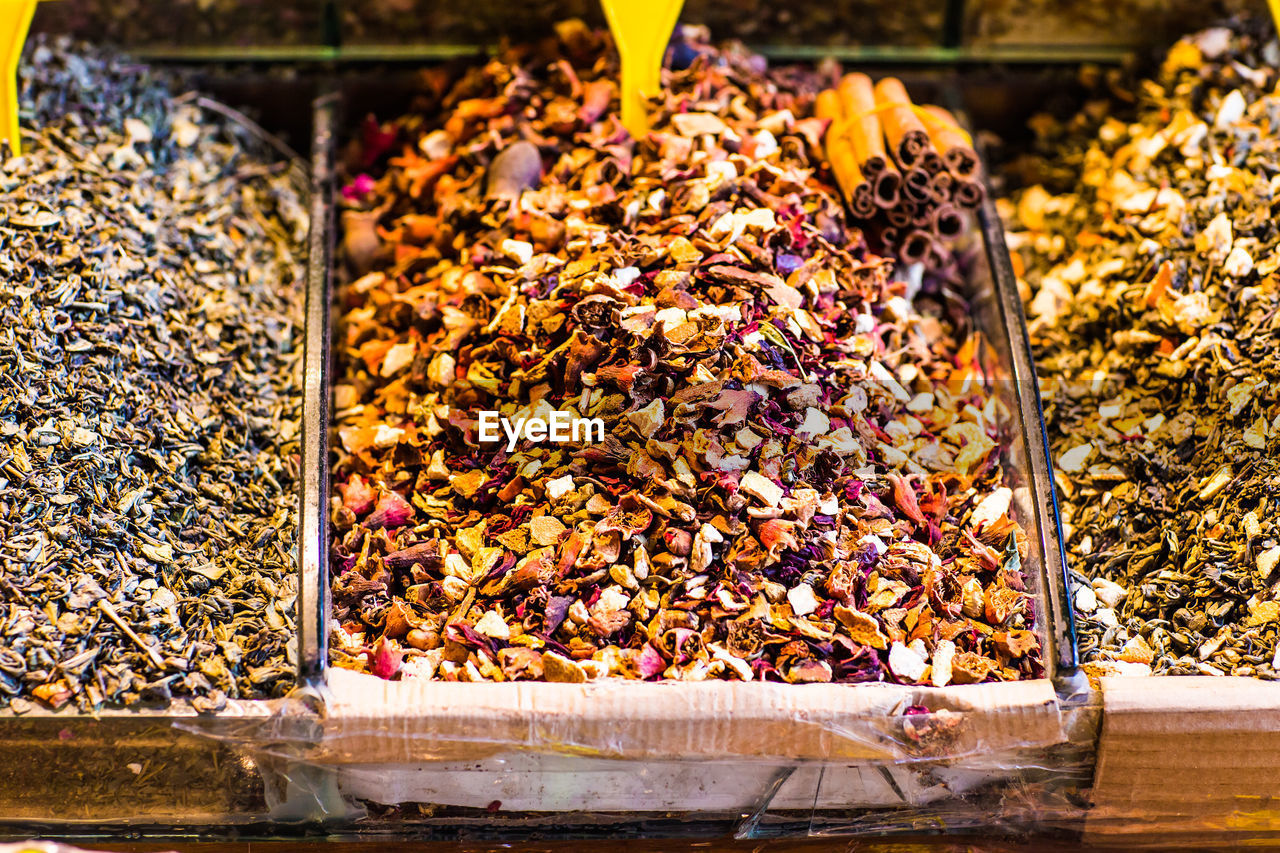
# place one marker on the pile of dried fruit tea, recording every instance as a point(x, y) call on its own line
point(799, 473)
point(150, 254)
point(1152, 297)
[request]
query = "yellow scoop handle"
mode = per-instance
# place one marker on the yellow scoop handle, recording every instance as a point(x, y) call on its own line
point(15, 20)
point(641, 30)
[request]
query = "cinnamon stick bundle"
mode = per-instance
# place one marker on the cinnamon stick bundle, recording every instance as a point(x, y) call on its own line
point(906, 134)
point(857, 99)
point(907, 172)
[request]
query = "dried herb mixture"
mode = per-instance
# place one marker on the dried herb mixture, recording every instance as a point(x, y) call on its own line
point(150, 253)
point(799, 476)
point(1150, 264)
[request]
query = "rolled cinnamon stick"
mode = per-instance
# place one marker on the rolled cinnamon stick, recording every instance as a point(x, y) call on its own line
point(915, 184)
point(932, 162)
point(950, 141)
point(940, 187)
point(906, 134)
point(915, 247)
point(900, 216)
point(853, 184)
point(947, 221)
point(968, 194)
point(863, 128)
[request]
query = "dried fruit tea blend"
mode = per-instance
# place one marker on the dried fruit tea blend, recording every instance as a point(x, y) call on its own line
point(799, 472)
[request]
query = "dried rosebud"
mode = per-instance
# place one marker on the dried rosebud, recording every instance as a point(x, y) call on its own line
point(387, 658)
point(679, 542)
point(392, 511)
point(649, 662)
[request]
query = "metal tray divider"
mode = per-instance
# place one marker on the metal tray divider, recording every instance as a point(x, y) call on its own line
point(313, 531)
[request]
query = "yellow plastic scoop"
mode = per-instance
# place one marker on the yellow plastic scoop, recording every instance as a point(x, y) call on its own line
point(15, 20)
point(641, 30)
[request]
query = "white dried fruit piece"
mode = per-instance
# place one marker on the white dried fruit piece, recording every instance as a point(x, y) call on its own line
point(1239, 263)
point(1096, 670)
point(1239, 397)
point(649, 420)
point(387, 436)
point(456, 565)
point(906, 664)
point(1136, 650)
point(920, 403)
point(762, 488)
point(1191, 312)
point(138, 130)
point(1073, 461)
point(559, 487)
point(802, 600)
point(442, 370)
point(1255, 435)
point(493, 625)
point(972, 600)
point(1230, 111)
point(519, 251)
point(1108, 592)
point(696, 124)
point(701, 556)
point(992, 508)
point(1215, 240)
point(1250, 524)
point(454, 588)
point(1216, 482)
point(943, 655)
point(397, 358)
point(815, 424)
point(1107, 617)
point(1086, 600)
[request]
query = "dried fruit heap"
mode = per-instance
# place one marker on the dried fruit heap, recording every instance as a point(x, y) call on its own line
point(1153, 300)
point(800, 478)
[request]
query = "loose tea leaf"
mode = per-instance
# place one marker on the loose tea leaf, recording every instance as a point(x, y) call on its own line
point(797, 472)
point(1153, 300)
point(149, 395)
